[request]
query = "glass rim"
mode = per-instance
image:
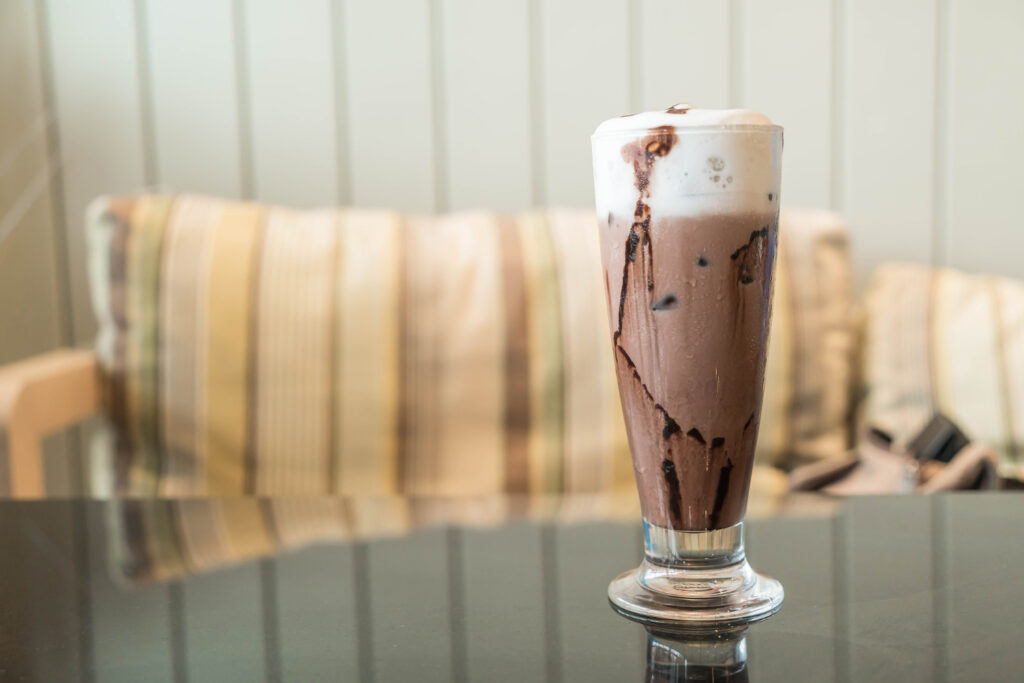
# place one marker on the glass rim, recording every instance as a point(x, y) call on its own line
point(716, 128)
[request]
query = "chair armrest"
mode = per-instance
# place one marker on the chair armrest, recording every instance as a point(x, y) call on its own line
point(38, 396)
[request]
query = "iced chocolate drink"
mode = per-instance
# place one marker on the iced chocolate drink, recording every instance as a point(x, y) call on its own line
point(688, 204)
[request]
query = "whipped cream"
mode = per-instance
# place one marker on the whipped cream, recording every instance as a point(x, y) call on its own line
point(722, 161)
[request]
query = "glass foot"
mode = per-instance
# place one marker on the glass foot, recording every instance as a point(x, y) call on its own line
point(694, 578)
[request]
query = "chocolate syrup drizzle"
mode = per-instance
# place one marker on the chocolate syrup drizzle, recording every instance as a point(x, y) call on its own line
point(643, 154)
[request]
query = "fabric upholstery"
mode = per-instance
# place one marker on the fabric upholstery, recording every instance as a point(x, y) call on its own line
point(939, 340)
point(808, 377)
point(260, 350)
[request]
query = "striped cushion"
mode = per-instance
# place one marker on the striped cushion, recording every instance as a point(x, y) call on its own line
point(254, 349)
point(942, 340)
point(808, 376)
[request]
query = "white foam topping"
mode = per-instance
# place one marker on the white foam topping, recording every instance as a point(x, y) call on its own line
point(723, 161)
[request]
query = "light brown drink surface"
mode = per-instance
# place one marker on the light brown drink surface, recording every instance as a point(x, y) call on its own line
point(690, 303)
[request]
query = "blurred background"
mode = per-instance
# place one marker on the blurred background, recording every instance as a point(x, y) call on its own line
point(902, 116)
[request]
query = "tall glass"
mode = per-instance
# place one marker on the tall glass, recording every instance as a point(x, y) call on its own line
point(688, 216)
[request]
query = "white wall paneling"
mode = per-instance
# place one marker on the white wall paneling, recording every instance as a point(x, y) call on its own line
point(684, 53)
point(99, 113)
point(290, 64)
point(787, 72)
point(486, 93)
point(390, 76)
point(984, 136)
point(585, 56)
point(427, 105)
point(193, 91)
point(889, 130)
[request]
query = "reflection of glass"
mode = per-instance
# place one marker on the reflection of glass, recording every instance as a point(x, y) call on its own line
point(713, 655)
point(689, 225)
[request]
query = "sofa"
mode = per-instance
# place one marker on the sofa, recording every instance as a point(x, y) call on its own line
point(255, 350)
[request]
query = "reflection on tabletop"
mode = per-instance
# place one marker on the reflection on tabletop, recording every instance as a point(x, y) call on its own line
point(697, 655)
point(160, 539)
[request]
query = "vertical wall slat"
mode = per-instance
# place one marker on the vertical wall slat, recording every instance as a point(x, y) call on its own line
point(291, 89)
point(487, 104)
point(889, 131)
point(95, 79)
point(985, 138)
point(194, 92)
point(585, 48)
point(388, 70)
point(684, 53)
point(788, 75)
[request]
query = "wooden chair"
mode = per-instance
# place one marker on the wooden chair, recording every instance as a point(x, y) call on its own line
point(39, 396)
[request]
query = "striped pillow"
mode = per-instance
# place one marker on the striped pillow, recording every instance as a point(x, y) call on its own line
point(808, 376)
point(942, 340)
point(260, 350)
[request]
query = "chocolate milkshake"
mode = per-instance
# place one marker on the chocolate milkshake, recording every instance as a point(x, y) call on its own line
point(688, 205)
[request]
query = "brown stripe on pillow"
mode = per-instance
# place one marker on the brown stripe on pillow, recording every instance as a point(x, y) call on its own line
point(120, 216)
point(149, 220)
point(403, 419)
point(333, 360)
point(546, 370)
point(251, 375)
point(517, 362)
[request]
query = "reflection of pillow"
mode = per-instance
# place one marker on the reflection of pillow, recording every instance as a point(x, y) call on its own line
point(807, 379)
point(942, 340)
point(256, 349)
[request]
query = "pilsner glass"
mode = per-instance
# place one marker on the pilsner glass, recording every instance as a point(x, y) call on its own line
point(688, 206)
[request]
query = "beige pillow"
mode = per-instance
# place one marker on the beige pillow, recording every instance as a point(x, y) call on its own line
point(807, 380)
point(943, 340)
point(253, 349)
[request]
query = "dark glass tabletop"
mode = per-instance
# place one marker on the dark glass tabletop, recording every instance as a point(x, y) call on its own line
point(886, 589)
